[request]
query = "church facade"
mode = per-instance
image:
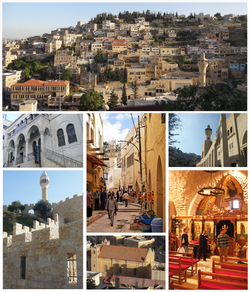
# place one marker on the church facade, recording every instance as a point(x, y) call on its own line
point(44, 140)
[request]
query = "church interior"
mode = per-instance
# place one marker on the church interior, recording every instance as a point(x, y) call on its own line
point(211, 207)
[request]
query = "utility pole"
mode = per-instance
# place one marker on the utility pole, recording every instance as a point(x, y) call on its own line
point(140, 149)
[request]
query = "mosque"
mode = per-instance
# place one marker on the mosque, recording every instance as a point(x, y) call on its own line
point(213, 201)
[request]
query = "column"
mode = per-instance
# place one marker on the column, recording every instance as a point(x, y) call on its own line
point(15, 161)
point(42, 148)
point(26, 159)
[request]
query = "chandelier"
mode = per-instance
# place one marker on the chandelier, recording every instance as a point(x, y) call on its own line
point(210, 190)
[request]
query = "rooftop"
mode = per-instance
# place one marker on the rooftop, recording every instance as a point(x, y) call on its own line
point(123, 253)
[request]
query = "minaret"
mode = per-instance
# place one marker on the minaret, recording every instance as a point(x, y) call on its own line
point(208, 142)
point(202, 65)
point(112, 155)
point(44, 183)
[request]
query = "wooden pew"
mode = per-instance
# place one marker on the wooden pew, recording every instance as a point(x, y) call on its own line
point(178, 268)
point(216, 268)
point(234, 266)
point(236, 260)
point(186, 258)
point(173, 286)
point(220, 282)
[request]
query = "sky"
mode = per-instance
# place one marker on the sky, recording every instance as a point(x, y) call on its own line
point(25, 19)
point(116, 126)
point(25, 185)
point(192, 134)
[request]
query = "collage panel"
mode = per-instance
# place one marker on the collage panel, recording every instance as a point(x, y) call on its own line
point(208, 229)
point(42, 229)
point(42, 140)
point(208, 140)
point(126, 172)
point(125, 262)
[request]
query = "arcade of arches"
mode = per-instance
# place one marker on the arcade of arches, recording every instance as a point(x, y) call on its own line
point(188, 209)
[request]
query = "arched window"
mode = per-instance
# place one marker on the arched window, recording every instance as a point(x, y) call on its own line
point(71, 133)
point(60, 137)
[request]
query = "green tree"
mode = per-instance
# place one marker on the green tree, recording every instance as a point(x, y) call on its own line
point(174, 124)
point(43, 207)
point(16, 206)
point(135, 89)
point(91, 101)
point(66, 74)
point(113, 100)
point(99, 57)
point(90, 284)
point(124, 95)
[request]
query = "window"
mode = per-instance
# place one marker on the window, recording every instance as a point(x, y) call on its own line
point(23, 267)
point(235, 205)
point(71, 269)
point(60, 137)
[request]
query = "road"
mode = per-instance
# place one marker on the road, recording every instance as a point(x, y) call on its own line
point(121, 221)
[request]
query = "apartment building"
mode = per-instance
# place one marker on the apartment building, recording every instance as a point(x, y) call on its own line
point(37, 89)
point(9, 78)
point(136, 72)
point(64, 57)
point(53, 46)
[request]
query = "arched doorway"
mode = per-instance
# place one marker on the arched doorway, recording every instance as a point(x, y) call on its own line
point(244, 149)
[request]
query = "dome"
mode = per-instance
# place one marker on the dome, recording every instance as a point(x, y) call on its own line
point(44, 179)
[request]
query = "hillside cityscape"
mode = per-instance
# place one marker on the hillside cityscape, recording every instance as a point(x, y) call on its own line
point(131, 61)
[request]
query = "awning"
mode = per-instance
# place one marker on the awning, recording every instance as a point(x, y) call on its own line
point(95, 160)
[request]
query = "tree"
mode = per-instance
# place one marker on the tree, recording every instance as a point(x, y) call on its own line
point(135, 89)
point(91, 101)
point(124, 95)
point(66, 74)
point(113, 100)
point(16, 206)
point(42, 206)
point(174, 124)
point(90, 284)
point(99, 57)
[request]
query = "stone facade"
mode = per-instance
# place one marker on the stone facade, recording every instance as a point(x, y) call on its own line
point(60, 137)
point(47, 256)
point(229, 146)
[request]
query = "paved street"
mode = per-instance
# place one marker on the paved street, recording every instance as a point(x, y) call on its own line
point(121, 221)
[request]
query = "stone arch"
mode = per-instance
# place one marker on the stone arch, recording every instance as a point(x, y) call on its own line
point(159, 197)
point(21, 148)
point(11, 152)
point(33, 135)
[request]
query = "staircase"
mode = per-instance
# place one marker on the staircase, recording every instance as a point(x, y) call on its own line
point(61, 160)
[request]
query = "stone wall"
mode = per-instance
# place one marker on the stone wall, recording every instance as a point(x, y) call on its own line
point(46, 248)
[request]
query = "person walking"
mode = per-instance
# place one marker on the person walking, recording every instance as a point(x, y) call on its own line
point(117, 196)
point(103, 199)
point(203, 245)
point(125, 197)
point(222, 243)
point(184, 240)
point(111, 208)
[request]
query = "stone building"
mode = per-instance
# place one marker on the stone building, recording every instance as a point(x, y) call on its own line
point(95, 165)
point(150, 174)
point(64, 57)
point(47, 140)
point(47, 256)
point(122, 260)
point(229, 145)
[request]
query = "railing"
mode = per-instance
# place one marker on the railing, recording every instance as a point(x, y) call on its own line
point(10, 163)
point(31, 157)
point(19, 160)
point(62, 160)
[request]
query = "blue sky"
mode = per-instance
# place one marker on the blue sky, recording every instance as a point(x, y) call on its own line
point(21, 20)
point(25, 185)
point(192, 134)
point(116, 126)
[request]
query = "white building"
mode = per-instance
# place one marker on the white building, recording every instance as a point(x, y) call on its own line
point(44, 140)
point(114, 174)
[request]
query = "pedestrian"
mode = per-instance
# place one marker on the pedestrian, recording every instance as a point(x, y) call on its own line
point(203, 245)
point(103, 199)
point(112, 207)
point(117, 196)
point(184, 240)
point(125, 197)
point(222, 243)
point(120, 195)
point(97, 200)
point(89, 204)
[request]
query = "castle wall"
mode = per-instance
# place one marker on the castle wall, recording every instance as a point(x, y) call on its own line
point(46, 249)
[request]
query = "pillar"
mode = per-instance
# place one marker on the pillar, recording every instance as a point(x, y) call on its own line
point(26, 151)
point(42, 148)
